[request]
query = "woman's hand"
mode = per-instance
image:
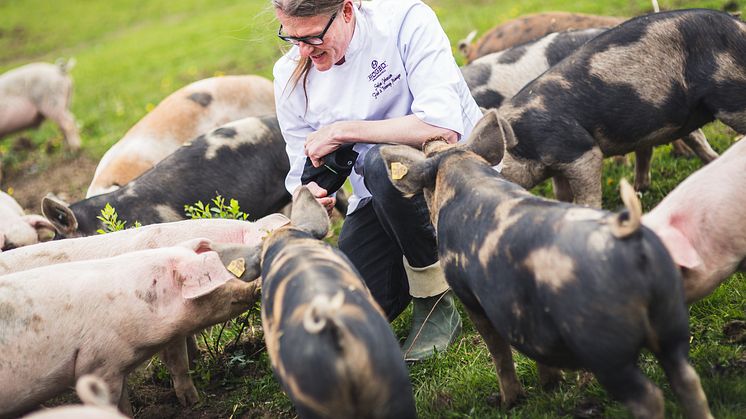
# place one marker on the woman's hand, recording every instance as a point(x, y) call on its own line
point(322, 142)
point(320, 193)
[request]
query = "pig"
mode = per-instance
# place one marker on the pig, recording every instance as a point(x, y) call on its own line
point(643, 83)
point(243, 160)
point(568, 286)
point(34, 92)
point(702, 225)
point(185, 114)
point(153, 236)
point(94, 394)
point(106, 316)
point(500, 75)
point(19, 229)
point(329, 342)
point(528, 28)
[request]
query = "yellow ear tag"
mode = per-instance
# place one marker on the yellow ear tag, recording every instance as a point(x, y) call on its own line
point(398, 170)
point(237, 267)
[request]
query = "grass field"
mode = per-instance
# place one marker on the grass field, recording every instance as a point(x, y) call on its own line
point(132, 53)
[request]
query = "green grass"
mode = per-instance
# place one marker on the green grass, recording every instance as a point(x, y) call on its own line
point(132, 53)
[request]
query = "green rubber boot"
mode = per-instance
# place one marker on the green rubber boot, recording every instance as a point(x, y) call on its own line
point(435, 325)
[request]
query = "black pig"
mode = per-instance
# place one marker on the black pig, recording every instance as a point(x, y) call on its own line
point(330, 344)
point(645, 82)
point(243, 160)
point(569, 286)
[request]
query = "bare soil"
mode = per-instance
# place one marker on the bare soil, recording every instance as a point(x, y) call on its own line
point(64, 174)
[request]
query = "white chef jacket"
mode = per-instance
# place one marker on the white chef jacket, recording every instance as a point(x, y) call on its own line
point(399, 62)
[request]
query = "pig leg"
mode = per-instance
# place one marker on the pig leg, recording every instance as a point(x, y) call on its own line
point(117, 384)
point(56, 111)
point(124, 400)
point(685, 384)
point(630, 386)
point(680, 149)
point(549, 377)
point(510, 388)
point(67, 125)
point(192, 350)
point(643, 156)
point(562, 190)
point(584, 177)
point(174, 355)
point(698, 143)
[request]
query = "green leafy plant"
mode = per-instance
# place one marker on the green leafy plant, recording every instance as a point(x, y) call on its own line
point(218, 209)
point(111, 221)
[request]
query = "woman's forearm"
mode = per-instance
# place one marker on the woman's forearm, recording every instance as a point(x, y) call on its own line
point(409, 130)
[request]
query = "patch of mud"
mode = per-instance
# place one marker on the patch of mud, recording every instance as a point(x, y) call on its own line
point(64, 175)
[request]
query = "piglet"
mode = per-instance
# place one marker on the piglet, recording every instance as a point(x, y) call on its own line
point(330, 344)
point(94, 394)
point(38, 91)
point(568, 286)
point(701, 223)
point(174, 356)
point(18, 229)
point(107, 316)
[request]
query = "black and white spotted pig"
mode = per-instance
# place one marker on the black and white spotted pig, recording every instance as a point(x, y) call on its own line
point(645, 82)
point(569, 286)
point(244, 160)
point(499, 76)
point(330, 344)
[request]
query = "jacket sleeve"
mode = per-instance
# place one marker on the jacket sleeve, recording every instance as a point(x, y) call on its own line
point(290, 105)
point(434, 78)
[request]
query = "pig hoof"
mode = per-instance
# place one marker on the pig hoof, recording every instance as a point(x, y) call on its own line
point(188, 397)
point(589, 409)
point(496, 399)
point(735, 331)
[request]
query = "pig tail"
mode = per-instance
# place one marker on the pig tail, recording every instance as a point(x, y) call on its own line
point(93, 391)
point(321, 311)
point(629, 221)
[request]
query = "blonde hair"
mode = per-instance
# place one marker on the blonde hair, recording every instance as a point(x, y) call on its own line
point(305, 8)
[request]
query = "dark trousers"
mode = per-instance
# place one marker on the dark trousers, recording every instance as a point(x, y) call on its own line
point(384, 228)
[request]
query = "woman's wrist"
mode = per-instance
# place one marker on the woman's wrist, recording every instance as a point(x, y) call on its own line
point(345, 132)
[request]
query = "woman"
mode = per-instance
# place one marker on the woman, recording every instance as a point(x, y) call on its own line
point(360, 75)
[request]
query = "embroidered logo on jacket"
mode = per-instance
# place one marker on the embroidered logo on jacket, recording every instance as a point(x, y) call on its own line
point(378, 69)
point(379, 86)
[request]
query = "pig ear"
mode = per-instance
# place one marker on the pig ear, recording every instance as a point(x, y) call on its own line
point(464, 45)
point(199, 245)
point(44, 229)
point(193, 288)
point(243, 261)
point(198, 284)
point(406, 168)
point(308, 214)
point(59, 214)
point(681, 249)
point(489, 137)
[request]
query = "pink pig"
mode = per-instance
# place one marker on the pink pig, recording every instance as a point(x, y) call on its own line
point(146, 237)
point(701, 223)
point(94, 394)
point(38, 91)
point(107, 316)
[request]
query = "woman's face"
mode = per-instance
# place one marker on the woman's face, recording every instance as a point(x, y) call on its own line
point(336, 39)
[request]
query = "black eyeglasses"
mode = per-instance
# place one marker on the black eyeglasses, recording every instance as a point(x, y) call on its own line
point(309, 40)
